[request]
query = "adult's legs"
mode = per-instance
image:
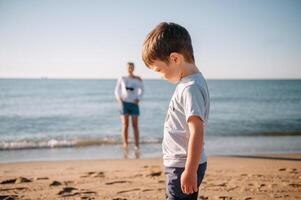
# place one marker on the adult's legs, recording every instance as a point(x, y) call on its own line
point(136, 130)
point(124, 131)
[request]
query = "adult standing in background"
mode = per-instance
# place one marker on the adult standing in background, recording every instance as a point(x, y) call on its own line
point(128, 92)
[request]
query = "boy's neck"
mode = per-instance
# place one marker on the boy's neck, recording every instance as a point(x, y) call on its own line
point(189, 69)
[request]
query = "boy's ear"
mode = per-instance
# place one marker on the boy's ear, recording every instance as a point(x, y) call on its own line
point(175, 57)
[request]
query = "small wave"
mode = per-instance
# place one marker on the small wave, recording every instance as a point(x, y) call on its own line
point(282, 133)
point(56, 143)
point(253, 134)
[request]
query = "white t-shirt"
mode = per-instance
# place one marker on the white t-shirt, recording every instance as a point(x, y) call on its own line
point(129, 89)
point(191, 98)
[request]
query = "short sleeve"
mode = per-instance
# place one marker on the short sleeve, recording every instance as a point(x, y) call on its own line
point(193, 102)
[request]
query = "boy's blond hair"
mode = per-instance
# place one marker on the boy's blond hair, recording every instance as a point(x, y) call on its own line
point(165, 39)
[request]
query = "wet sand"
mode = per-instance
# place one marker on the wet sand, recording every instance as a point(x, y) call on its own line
point(244, 177)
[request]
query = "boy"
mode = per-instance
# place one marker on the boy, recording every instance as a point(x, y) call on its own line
point(168, 51)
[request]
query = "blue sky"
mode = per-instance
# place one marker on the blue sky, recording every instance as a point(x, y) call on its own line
point(94, 39)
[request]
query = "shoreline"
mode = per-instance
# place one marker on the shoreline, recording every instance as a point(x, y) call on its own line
point(272, 156)
point(264, 176)
point(214, 146)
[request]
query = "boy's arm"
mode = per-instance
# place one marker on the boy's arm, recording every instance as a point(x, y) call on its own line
point(195, 146)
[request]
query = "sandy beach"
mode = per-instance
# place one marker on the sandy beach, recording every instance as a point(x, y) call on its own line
point(253, 177)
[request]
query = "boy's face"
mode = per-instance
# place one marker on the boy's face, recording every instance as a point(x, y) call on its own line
point(170, 72)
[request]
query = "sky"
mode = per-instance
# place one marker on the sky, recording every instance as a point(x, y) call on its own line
point(95, 39)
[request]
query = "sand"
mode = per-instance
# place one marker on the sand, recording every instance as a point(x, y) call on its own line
point(258, 177)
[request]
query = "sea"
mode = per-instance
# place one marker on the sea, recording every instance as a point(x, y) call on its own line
point(77, 119)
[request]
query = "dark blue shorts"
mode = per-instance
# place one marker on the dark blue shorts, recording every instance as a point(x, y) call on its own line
point(129, 109)
point(173, 183)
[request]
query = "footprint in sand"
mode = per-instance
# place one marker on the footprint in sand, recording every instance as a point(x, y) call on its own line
point(232, 188)
point(88, 174)
point(69, 192)
point(23, 180)
point(17, 188)
point(281, 196)
point(295, 185)
point(94, 174)
point(130, 190)
point(225, 198)
point(8, 181)
point(88, 192)
point(115, 182)
point(221, 185)
point(151, 166)
point(87, 197)
point(42, 178)
point(55, 183)
point(100, 174)
point(16, 180)
point(154, 174)
point(66, 190)
point(203, 197)
point(83, 191)
point(147, 190)
point(8, 197)
point(294, 171)
point(118, 198)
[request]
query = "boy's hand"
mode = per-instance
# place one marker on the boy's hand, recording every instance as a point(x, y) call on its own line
point(195, 145)
point(189, 182)
point(136, 101)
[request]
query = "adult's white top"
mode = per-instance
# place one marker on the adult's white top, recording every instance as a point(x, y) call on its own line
point(129, 89)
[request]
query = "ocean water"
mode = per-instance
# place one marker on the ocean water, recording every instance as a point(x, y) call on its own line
point(54, 119)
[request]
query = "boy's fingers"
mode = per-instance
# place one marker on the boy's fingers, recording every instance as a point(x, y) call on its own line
point(188, 190)
point(183, 189)
point(195, 188)
point(191, 190)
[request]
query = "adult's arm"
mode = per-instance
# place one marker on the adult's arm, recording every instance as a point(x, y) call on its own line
point(118, 90)
point(140, 89)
